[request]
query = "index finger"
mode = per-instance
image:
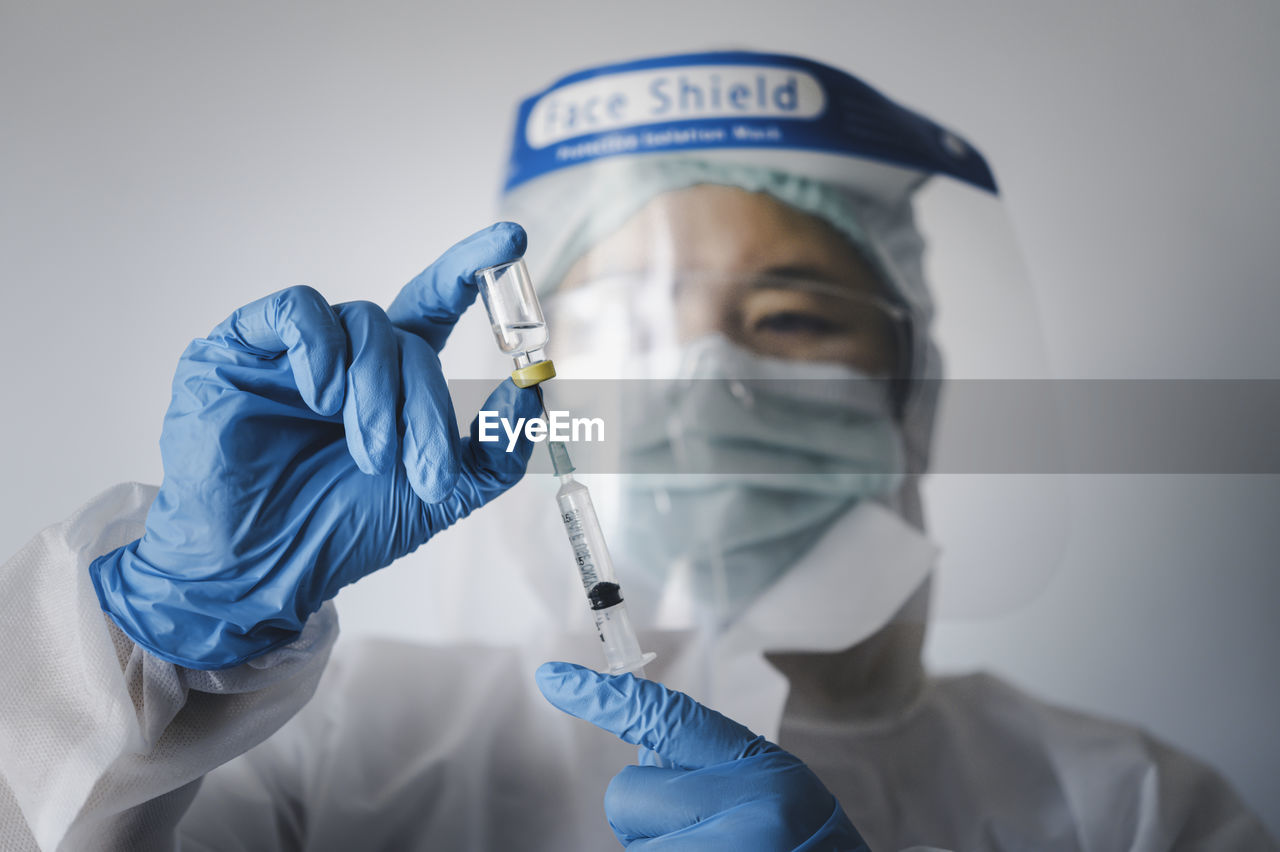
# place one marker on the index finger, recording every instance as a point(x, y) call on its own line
point(641, 712)
point(431, 303)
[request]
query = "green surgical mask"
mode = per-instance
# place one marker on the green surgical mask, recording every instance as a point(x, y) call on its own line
point(736, 468)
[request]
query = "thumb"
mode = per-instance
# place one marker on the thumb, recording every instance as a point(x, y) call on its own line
point(488, 468)
point(491, 460)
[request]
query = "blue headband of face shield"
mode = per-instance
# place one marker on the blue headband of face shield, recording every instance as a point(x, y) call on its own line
point(729, 100)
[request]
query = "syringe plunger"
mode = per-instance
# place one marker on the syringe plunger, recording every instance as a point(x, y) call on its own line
point(621, 648)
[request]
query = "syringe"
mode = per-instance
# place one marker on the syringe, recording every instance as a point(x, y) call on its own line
point(521, 331)
point(595, 567)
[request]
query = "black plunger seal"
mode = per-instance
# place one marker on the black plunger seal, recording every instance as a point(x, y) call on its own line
point(605, 595)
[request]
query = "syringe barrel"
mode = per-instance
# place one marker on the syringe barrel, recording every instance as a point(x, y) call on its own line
point(621, 648)
point(512, 304)
point(585, 536)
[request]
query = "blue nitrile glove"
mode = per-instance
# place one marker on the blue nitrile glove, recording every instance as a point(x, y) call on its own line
point(728, 789)
point(305, 446)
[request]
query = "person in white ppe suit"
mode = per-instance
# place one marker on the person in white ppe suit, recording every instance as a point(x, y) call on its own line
point(746, 233)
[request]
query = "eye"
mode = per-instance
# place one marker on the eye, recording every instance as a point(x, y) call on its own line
point(796, 322)
point(793, 314)
point(815, 325)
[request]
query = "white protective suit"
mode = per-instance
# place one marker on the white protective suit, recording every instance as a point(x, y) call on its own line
point(404, 747)
point(411, 747)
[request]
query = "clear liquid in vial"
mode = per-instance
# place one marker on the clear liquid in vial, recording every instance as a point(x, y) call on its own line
point(522, 336)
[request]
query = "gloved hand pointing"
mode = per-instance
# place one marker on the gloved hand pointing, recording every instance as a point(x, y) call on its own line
point(305, 446)
point(729, 790)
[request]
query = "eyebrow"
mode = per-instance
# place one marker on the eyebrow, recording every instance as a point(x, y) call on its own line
point(764, 278)
point(798, 270)
point(873, 286)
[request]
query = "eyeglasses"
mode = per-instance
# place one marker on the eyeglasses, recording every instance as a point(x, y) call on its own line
point(781, 316)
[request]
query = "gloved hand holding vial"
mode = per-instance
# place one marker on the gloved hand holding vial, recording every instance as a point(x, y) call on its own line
point(521, 331)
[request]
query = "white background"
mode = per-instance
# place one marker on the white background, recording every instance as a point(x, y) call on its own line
point(161, 164)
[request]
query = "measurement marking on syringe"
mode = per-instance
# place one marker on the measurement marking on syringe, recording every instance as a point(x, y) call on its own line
point(581, 549)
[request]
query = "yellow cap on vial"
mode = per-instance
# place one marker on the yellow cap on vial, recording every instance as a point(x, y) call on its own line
point(534, 374)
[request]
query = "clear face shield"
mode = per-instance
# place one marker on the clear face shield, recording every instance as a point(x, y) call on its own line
point(764, 349)
point(758, 327)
